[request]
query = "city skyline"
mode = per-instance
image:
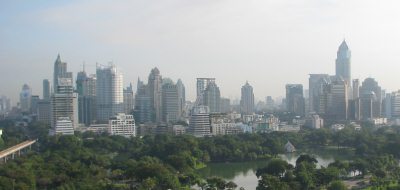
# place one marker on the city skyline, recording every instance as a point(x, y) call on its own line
point(235, 42)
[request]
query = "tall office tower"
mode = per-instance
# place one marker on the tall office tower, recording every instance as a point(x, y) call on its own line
point(155, 88)
point(394, 105)
point(201, 85)
point(87, 100)
point(109, 92)
point(80, 79)
point(387, 104)
point(199, 124)
point(181, 94)
point(212, 97)
point(123, 125)
point(343, 63)
point(337, 99)
point(64, 103)
point(129, 100)
point(356, 89)
point(225, 105)
point(44, 111)
point(60, 71)
point(46, 89)
point(294, 99)
point(247, 99)
point(34, 104)
point(171, 103)
point(25, 98)
point(371, 99)
point(317, 85)
point(143, 106)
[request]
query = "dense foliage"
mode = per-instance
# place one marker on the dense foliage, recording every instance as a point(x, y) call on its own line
point(89, 161)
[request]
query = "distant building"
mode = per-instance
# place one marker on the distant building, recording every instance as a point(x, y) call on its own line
point(295, 102)
point(34, 104)
point(155, 92)
point(247, 99)
point(201, 86)
point(64, 103)
point(87, 100)
point(199, 125)
point(143, 106)
point(172, 101)
point(46, 89)
point(25, 98)
point(343, 63)
point(109, 92)
point(370, 100)
point(314, 121)
point(225, 105)
point(63, 126)
point(123, 125)
point(129, 100)
point(44, 111)
point(212, 97)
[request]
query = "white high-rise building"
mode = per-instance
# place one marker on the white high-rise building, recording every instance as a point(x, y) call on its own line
point(109, 92)
point(123, 125)
point(64, 126)
point(199, 124)
point(64, 103)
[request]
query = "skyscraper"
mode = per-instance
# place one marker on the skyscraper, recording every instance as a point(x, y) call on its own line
point(247, 99)
point(294, 99)
point(46, 89)
point(317, 85)
point(371, 99)
point(201, 85)
point(60, 71)
point(143, 106)
point(109, 92)
point(64, 103)
point(337, 99)
point(128, 100)
point(25, 98)
point(212, 97)
point(343, 63)
point(171, 103)
point(87, 99)
point(155, 88)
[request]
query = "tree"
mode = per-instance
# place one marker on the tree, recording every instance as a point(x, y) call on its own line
point(337, 185)
point(269, 182)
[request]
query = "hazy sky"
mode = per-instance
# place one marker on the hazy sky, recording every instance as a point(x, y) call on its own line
point(267, 42)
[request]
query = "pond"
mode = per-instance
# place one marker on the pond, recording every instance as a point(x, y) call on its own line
point(243, 173)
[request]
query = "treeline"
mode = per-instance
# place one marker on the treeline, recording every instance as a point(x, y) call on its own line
point(89, 161)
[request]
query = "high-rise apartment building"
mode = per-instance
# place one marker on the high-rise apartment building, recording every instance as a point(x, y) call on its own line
point(225, 105)
point(247, 99)
point(109, 92)
point(317, 86)
point(295, 99)
point(337, 99)
point(212, 97)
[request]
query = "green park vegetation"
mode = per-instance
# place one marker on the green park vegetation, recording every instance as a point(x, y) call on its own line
point(92, 161)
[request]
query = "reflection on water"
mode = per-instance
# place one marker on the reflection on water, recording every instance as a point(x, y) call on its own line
point(243, 173)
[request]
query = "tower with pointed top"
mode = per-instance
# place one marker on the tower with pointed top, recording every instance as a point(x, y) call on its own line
point(343, 63)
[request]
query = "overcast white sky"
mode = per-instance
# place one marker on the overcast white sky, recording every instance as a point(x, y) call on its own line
point(267, 42)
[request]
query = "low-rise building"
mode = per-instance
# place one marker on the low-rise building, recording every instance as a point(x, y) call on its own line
point(122, 124)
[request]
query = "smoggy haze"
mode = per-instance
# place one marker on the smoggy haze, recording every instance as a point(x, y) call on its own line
point(268, 43)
